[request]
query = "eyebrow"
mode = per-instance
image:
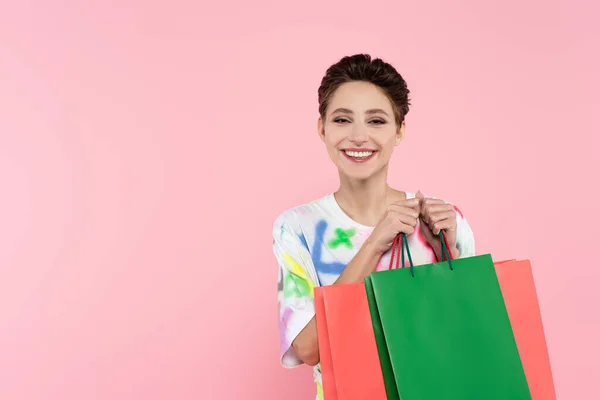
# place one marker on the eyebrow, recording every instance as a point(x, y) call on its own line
point(371, 111)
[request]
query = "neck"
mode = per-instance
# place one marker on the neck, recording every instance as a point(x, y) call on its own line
point(365, 201)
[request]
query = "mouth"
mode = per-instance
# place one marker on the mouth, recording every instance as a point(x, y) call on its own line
point(359, 156)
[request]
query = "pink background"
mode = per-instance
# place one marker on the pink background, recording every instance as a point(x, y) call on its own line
point(147, 146)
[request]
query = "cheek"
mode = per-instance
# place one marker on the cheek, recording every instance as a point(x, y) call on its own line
point(386, 142)
point(333, 137)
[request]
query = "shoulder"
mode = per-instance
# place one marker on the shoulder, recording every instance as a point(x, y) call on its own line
point(296, 217)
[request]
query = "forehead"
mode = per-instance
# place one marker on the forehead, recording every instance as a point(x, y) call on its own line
point(359, 96)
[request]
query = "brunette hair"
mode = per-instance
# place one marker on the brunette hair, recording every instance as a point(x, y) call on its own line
point(360, 67)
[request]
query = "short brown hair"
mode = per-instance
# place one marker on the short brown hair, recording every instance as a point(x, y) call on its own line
point(360, 67)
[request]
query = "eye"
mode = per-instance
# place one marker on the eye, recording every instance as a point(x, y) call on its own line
point(341, 120)
point(378, 121)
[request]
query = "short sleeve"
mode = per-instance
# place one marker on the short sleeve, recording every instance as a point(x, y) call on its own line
point(465, 240)
point(296, 282)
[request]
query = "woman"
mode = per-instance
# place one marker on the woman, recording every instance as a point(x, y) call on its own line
point(344, 236)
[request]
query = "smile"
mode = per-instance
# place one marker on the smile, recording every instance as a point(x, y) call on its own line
point(359, 156)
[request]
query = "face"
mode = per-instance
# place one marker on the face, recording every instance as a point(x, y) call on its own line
point(359, 130)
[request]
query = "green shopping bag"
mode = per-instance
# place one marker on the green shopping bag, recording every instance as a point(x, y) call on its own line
point(443, 332)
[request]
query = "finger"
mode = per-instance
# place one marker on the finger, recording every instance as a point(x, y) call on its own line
point(441, 215)
point(437, 207)
point(403, 209)
point(420, 196)
point(404, 228)
point(398, 209)
point(429, 209)
point(407, 219)
point(414, 202)
point(428, 203)
point(425, 203)
point(446, 224)
point(433, 200)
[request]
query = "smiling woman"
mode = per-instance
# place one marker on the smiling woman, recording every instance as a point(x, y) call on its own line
point(345, 235)
point(364, 125)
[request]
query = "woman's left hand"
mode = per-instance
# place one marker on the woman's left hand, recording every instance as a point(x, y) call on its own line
point(438, 215)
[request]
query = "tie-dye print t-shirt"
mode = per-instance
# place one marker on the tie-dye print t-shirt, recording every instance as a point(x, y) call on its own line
point(313, 243)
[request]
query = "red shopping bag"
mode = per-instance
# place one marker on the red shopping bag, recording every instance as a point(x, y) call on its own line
point(350, 364)
point(518, 289)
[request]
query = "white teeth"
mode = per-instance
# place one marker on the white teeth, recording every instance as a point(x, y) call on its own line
point(359, 154)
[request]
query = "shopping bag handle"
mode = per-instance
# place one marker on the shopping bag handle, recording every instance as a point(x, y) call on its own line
point(401, 237)
point(445, 249)
point(446, 255)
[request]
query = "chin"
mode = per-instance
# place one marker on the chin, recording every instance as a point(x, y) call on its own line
point(355, 175)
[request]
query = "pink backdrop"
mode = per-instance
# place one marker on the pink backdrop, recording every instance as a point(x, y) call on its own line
point(147, 146)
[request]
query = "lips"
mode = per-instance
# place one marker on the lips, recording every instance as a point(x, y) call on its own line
point(359, 155)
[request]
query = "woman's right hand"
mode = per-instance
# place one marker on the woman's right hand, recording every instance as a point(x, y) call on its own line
point(401, 216)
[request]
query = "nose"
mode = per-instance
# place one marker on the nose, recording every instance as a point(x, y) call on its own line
point(358, 134)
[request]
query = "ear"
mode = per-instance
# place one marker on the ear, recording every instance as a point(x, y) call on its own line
point(400, 133)
point(321, 128)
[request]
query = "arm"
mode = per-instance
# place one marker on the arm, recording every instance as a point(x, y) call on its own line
point(297, 276)
point(306, 344)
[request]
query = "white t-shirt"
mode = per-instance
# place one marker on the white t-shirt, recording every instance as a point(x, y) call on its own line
point(313, 243)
